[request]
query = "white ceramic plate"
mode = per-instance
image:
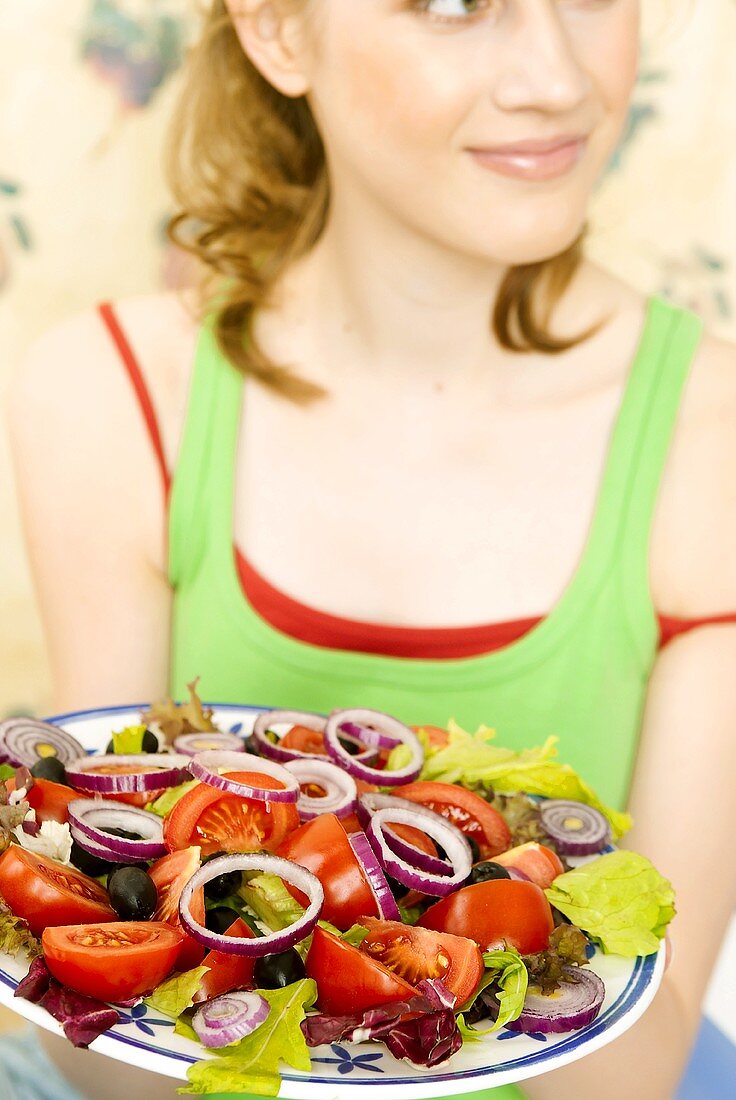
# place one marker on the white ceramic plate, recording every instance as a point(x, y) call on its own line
point(355, 1071)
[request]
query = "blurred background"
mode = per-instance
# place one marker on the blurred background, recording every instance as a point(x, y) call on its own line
point(86, 88)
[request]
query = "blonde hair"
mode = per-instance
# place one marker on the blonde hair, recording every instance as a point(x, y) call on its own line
point(246, 166)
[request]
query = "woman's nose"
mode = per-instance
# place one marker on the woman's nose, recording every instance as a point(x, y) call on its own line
point(541, 69)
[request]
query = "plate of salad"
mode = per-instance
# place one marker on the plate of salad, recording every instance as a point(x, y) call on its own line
point(288, 903)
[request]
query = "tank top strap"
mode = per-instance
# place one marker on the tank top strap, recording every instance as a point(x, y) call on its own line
point(637, 455)
point(205, 463)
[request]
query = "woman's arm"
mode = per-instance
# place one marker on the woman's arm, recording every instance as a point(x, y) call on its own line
point(92, 512)
point(684, 807)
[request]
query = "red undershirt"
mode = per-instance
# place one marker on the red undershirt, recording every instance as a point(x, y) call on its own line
point(316, 627)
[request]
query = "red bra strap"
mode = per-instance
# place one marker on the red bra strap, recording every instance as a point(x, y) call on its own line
point(132, 366)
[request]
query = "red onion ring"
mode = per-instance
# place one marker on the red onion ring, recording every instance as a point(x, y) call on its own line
point(281, 755)
point(575, 1004)
point(392, 727)
point(191, 743)
point(157, 770)
point(576, 829)
point(458, 851)
point(341, 792)
point(90, 818)
point(205, 766)
point(385, 900)
point(290, 872)
point(371, 801)
point(367, 735)
point(21, 738)
point(230, 1017)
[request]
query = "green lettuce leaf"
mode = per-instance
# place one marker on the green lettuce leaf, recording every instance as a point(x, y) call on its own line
point(620, 899)
point(354, 935)
point(184, 1028)
point(252, 1065)
point(166, 802)
point(505, 968)
point(6, 772)
point(129, 741)
point(472, 758)
point(176, 994)
point(15, 935)
point(271, 902)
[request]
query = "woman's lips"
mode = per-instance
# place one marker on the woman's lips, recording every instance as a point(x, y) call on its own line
point(532, 166)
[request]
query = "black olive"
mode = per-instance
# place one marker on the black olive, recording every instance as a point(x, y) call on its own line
point(350, 746)
point(50, 767)
point(124, 833)
point(486, 872)
point(132, 893)
point(278, 971)
point(219, 920)
point(89, 864)
point(223, 885)
point(397, 888)
point(473, 848)
point(251, 745)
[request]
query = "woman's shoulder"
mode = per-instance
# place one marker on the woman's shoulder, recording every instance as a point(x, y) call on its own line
point(77, 364)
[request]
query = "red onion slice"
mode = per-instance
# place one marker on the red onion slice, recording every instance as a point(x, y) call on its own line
point(95, 849)
point(385, 724)
point(206, 766)
point(191, 743)
point(91, 818)
point(574, 1004)
point(270, 718)
point(341, 793)
point(149, 772)
point(445, 834)
point(27, 740)
point(368, 735)
point(385, 900)
point(230, 1017)
point(576, 829)
point(371, 801)
point(290, 872)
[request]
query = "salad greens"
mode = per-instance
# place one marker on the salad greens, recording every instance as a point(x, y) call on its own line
point(507, 971)
point(15, 935)
point(472, 758)
point(128, 742)
point(271, 902)
point(252, 1064)
point(166, 801)
point(620, 899)
point(176, 994)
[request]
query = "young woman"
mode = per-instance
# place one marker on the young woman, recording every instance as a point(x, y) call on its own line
point(426, 456)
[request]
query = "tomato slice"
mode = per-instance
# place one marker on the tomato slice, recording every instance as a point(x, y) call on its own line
point(349, 980)
point(44, 892)
point(216, 821)
point(303, 739)
point(463, 808)
point(170, 875)
point(494, 911)
point(112, 962)
point(438, 737)
point(418, 953)
point(322, 846)
point(49, 800)
point(226, 972)
point(540, 863)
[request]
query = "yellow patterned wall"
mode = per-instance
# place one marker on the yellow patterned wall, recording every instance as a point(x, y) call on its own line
point(85, 90)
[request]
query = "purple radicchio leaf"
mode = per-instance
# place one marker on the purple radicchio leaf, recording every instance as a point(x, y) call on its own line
point(435, 990)
point(83, 1018)
point(426, 1040)
point(371, 1024)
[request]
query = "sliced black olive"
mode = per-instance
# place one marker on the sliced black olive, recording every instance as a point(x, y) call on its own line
point(279, 970)
point(486, 872)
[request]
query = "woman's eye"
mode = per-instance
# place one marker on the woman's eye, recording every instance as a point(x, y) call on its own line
point(453, 11)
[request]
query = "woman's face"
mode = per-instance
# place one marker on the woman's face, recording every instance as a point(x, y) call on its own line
point(402, 89)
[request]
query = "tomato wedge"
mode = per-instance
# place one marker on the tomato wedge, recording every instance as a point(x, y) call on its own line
point(44, 892)
point(226, 972)
point(322, 846)
point(349, 980)
point(494, 911)
point(170, 875)
point(418, 953)
point(303, 739)
point(540, 863)
point(49, 800)
point(112, 962)
point(463, 808)
point(216, 821)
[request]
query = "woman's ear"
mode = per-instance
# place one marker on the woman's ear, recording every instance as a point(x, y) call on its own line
point(269, 34)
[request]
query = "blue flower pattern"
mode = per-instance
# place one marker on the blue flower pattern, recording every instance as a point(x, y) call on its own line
point(138, 1017)
point(346, 1062)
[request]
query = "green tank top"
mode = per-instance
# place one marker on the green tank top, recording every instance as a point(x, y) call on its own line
point(581, 673)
